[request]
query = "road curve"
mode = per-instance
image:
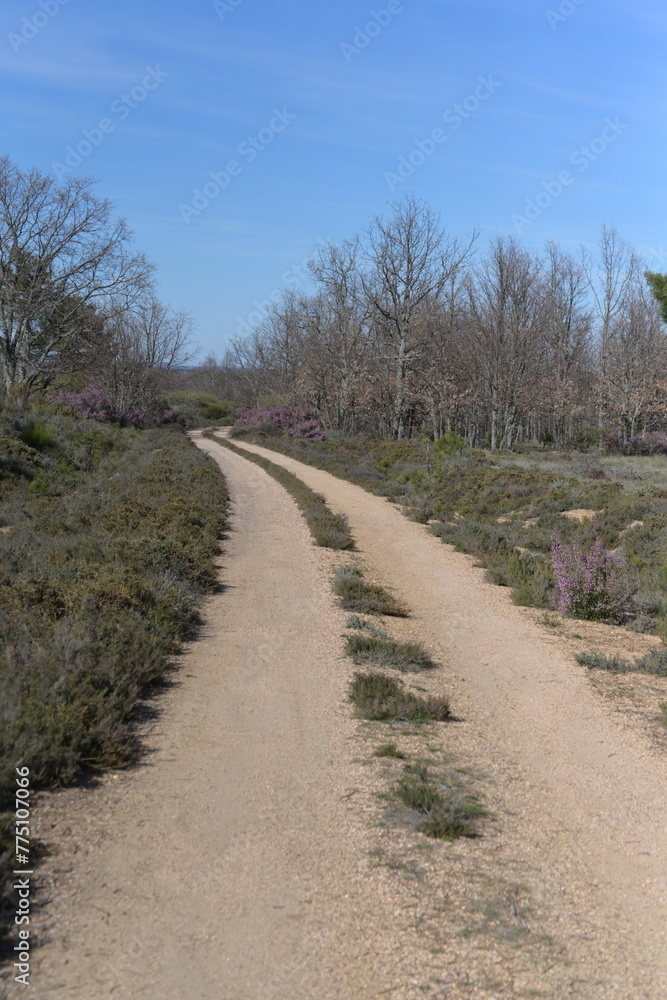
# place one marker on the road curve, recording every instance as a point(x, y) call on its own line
point(235, 862)
point(591, 792)
point(224, 866)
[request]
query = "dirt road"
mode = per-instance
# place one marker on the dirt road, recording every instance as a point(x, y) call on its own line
point(236, 863)
point(593, 802)
point(220, 869)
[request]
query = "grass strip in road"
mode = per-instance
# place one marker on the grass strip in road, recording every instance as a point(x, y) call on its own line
point(365, 625)
point(410, 657)
point(383, 699)
point(365, 598)
point(446, 813)
point(329, 530)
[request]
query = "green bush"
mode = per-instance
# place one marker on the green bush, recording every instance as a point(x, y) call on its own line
point(98, 588)
point(654, 662)
point(38, 436)
point(110, 545)
point(449, 444)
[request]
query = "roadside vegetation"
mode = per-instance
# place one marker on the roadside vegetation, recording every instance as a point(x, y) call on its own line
point(654, 662)
point(108, 542)
point(198, 409)
point(528, 517)
point(432, 802)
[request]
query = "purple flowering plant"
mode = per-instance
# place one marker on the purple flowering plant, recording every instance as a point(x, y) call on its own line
point(288, 420)
point(594, 584)
point(93, 404)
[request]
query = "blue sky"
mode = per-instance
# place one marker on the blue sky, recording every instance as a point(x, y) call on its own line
point(316, 106)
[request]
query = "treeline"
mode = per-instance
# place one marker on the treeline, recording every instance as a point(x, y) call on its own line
point(77, 302)
point(412, 331)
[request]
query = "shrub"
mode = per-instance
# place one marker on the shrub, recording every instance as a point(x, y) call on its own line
point(383, 699)
point(594, 585)
point(389, 750)
point(38, 436)
point(407, 656)
point(354, 621)
point(365, 598)
point(650, 443)
point(97, 590)
point(93, 404)
point(449, 444)
point(654, 662)
point(600, 661)
point(278, 420)
point(101, 578)
point(90, 404)
point(446, 814)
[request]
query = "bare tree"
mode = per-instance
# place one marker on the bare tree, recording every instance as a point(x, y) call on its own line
point(337, 333)
point(144, 345)
point(410, 259)
point(402, 335)
point(610, 277)
point(251, 364)
point(60, 253)
point(635, 374)
point(506, 319)
point(567, 331)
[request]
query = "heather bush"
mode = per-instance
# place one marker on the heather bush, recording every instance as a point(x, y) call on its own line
point(593, 584)
point(291, 421)
point(356, 595)
point(651, 443)
point(93, 404)
point(647, 443)
point(103, 568)
point(90, 404)
point(654, 662)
